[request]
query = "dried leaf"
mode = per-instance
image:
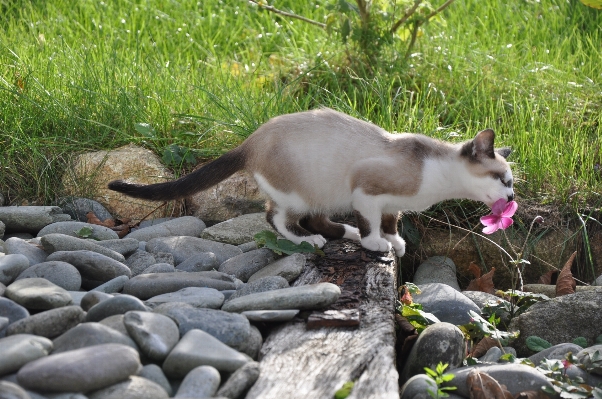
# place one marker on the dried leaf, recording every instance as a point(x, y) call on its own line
point(483, 386)
point(474, 269)
point(483, 346)
point(483, 283)
point(93, 219)
point(566, 283)
point(548, 278)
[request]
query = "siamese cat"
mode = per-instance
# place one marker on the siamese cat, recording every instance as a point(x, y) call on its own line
point(320, 163)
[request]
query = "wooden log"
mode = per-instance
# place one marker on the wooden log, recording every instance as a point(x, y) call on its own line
point(297, 362)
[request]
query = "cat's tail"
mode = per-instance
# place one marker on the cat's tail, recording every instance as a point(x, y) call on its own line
point(201, 179)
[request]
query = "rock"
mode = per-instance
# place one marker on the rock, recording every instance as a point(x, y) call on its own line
point(246, 264)
point(78, 208)
point(153, 222)
point(91, 298)
point(155, 334)
point(155, 373)
point(437, 269)
point(11, 266)
point(590, 359)
point(313, 296)
point(2, 226)
point(146, 286)
point(197, 348)
point(18, 350)
point(252, 345)
point(140, 261)
point(30, 219)
point(116, 305)
point(200, 262)
point(446, 303)
point(94, 267)
point(34, 253)
point(76, 297)
point(240, 381)
point(560, 320)
point(72, 229)
point(90, 334)
point(124, 246)
point(184, 247)
point(492, 355)
point(182, 226)
point(200, 382)
point(11, 390)
point(199, 297)
point(549, 290)
point(261, 285)
point(132, 388)
point(270, 315)
point(60, 273)
point(159, 268)
point(38, 293)
point(417, 387)
point(289, 267)
point(248, 246)
point(555, 352)
point(164, 257)
point(238, 230)
point(12, 311)
point(80, 370)
point(113, 285)
point(56, 242)
point(3, 323)
point(50, 323)
point(439, 342)
point(116, 323)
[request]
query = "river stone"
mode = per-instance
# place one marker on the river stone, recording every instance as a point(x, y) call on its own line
point(90, 334)
point(153, 222)
point(72, 229)
point(238, 230)
point(116, 323)
point(11, 266)
point(113, 285)
point(261, 285)
point(417, 387)
point(2, 225)
point(200, 382)
point(197, 348)
point(78, 208)
point(305, 297)
point(35, 254)
point(164, 257)
point(117, 305)
point(159, 268)
point(10, 390)
point(146, 286)
point(76, 297)
point(446, 303)
point(246, 264)
point(240, 381)
point(60, 273)
point(200, 262)
point(38, 293)
point(437, 269)
point(81, 370)
point(3, 323)
point(289, 267)
point(155, 334)
point(12, 311)
point(555, 352)
point(248, 246)
point(439, 342)
point(132, 388)
point(91, 298)
point(182, 226)
point(50, 323)
point(140, 261)
point(92, 266)
point(124, 246)
point(155, 373)
point(18, 350)
point(270, 315)
point(30, 219)
point(252, 345)
point(56, 242)
point(183, 247)
point(199, 297)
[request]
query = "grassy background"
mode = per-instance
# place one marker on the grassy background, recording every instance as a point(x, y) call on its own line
point(78, 75)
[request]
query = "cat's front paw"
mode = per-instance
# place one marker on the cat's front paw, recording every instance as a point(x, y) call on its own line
point(399, 245)
point(352, 233)
point(376, 244)
point(316, 239)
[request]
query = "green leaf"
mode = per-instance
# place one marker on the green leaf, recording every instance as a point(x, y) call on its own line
point(85, 232)
point(537, 344)
point(269, 240)
point(174, 155)
point(345, 29)
point(593, 3)
point(599, 340)
point(345, 390)
point(146, 130)
point(581, 341)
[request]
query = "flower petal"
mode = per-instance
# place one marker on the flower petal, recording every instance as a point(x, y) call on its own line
point(505, 223)
point(490, 220)
point(491, 229)
point(510, 208)
point(499, 206)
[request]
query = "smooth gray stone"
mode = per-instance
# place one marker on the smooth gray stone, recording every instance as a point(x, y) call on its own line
point(92, 265)
point(227, 293)
point(139, 261)
point(117, 305)
point(124, 246)
point(238, 230)
point(64, 395)
point(78, 208)
point(240, 381)
point(246, 264)
point(56, 242)
point(270, 315)
point(182, 226)
point(155, 334)
point(11, 266)
point(159, 268)
point(72, 229)
point(248, 246)
point(80, 370)
point(10, 390)
point(164, 257)
point(50, 323)
point(63, 274)
point(492, 355)
point(3, 323)
point(197, 348)
point(146, 286)
point(437, 269)
point(200, 382)
point(23, 236)
point(203, 261)
point(76, 297)
point(18, 350)
point(305, 297)
point(38, 293)
point(289, 267)
point(2, 225)
point(153, 222)
point(15, 245)
point(555, 352)
point(12, 311)
point(446, 303)
point(30, 219)
point(252, 345)
point(91, 298)
point(90, 334)
point(417, 387)
point(132, 388)
point(263, 284)
point(113, 285)
point(155, 373)
point(116, 323)
point(199, 297)
point(183, 247)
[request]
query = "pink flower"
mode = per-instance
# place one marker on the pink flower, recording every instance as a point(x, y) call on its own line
point(501, 216)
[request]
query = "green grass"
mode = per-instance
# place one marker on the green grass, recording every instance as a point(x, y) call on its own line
point(78, 75)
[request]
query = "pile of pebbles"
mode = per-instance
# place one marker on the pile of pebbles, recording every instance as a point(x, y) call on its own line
point(160, 313)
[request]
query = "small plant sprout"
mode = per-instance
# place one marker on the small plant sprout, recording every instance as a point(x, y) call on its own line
point(439, 378)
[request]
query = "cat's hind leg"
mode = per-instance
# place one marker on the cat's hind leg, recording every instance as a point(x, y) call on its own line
point(286, 222)
point(389, 228)
point(321, 224)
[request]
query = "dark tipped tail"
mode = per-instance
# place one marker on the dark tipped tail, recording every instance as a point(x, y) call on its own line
point(199, 180)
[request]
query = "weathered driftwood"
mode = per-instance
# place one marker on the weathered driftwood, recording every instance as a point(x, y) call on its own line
point(297, 362)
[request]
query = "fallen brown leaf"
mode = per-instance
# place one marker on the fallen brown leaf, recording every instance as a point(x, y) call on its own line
point(483, 386)
point(483, 283)
point(93, 219)
point(548, 278)
point(566, 283)
point(483, 346)
point(474, 269)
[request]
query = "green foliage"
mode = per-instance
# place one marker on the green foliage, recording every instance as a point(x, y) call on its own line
point(85, 232)
point(344, 391)
point(518, 303)
point(268, 239)
point(593, 3)
point(479, 328)
point(562, 384)
point(581, 341)
point(416, 316)
point(439, 378)
point(599, 340)
point(537, 344)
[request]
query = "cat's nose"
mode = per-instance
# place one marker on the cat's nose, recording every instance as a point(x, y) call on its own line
point(511, 197)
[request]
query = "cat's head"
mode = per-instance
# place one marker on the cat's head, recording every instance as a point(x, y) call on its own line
point(492, 174)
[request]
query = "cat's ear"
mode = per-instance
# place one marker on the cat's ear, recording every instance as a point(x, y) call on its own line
point(480, 147)
point(505, 151)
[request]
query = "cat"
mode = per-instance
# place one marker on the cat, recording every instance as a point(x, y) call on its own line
point(316, 164)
